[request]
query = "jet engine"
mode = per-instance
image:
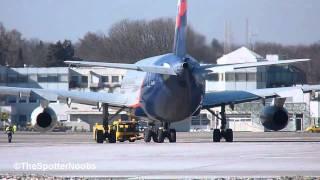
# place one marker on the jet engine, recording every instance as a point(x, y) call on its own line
point(43, 119)
point(274, 118)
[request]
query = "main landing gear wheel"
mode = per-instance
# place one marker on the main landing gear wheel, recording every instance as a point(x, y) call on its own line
point(223, 132)
point(100, 136)
point(147, 135)
point(172, 136)
point(112, 137)
point(160, 136)
point(228, 135)
point(216, 135)
point(154, 137)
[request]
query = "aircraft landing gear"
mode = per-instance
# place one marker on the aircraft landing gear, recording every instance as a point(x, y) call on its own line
point(165, 132)
point(159, 134)
point(150, 133)
point(110, 135)
point(172, 135)
point(223, 132)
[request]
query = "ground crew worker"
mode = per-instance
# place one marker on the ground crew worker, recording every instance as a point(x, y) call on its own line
point(14, 128)
point(10, 131)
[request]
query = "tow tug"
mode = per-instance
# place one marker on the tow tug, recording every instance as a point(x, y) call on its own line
point(313, 129)
point(119, 130)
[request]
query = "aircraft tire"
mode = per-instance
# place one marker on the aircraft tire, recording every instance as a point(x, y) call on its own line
point(112, 137)
point(160, 136)
point(229, 135)
point(172, 136)
point(154, 137)
point(99, 136)
point(216, 135)
point(147, 135)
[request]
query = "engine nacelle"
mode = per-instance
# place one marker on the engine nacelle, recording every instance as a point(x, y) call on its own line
point(43, 119)
point(274, 118)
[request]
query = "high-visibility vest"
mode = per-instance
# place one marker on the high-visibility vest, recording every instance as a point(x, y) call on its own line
point(10, 129)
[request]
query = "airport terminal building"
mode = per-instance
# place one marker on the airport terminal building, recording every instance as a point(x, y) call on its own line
point(245, 117)
point(62, 78)
point(303, 109)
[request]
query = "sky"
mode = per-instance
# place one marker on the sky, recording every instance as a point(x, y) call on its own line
point(280, 21)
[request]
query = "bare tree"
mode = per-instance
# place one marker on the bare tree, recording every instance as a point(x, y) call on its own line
point(129, 41)
point(35, 52)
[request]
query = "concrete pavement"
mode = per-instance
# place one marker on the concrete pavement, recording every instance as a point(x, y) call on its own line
point(194, 155)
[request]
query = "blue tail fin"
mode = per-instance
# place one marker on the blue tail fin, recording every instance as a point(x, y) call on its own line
point(179, 47)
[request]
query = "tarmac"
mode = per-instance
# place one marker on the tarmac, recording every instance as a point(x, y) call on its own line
point(269, 154)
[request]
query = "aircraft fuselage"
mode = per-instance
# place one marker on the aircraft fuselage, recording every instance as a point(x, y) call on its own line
point(169, 98)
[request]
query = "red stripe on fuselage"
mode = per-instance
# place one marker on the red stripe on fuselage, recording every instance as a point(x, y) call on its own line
point(138, 104)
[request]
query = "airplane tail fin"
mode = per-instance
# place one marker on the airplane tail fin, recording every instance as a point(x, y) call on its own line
point(179, 47)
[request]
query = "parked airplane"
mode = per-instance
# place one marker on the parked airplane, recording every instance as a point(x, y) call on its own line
point(166, 88)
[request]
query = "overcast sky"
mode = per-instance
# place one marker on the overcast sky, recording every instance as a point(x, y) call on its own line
point(282, 21)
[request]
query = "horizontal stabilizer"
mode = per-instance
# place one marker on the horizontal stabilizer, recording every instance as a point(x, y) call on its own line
point(136, 67)
point(219, 68)
point(219, 98)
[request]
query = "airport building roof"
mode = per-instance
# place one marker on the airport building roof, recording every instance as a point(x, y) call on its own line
point(240, 55)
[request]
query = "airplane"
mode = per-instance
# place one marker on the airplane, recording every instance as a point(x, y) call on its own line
point(166, 88)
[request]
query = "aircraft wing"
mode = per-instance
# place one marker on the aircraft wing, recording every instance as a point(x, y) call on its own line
point(218, 98)
point(217, 68)
point(90, 98)
point(136, 67)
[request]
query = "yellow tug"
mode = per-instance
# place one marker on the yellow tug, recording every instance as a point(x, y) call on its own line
point(121, 130)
